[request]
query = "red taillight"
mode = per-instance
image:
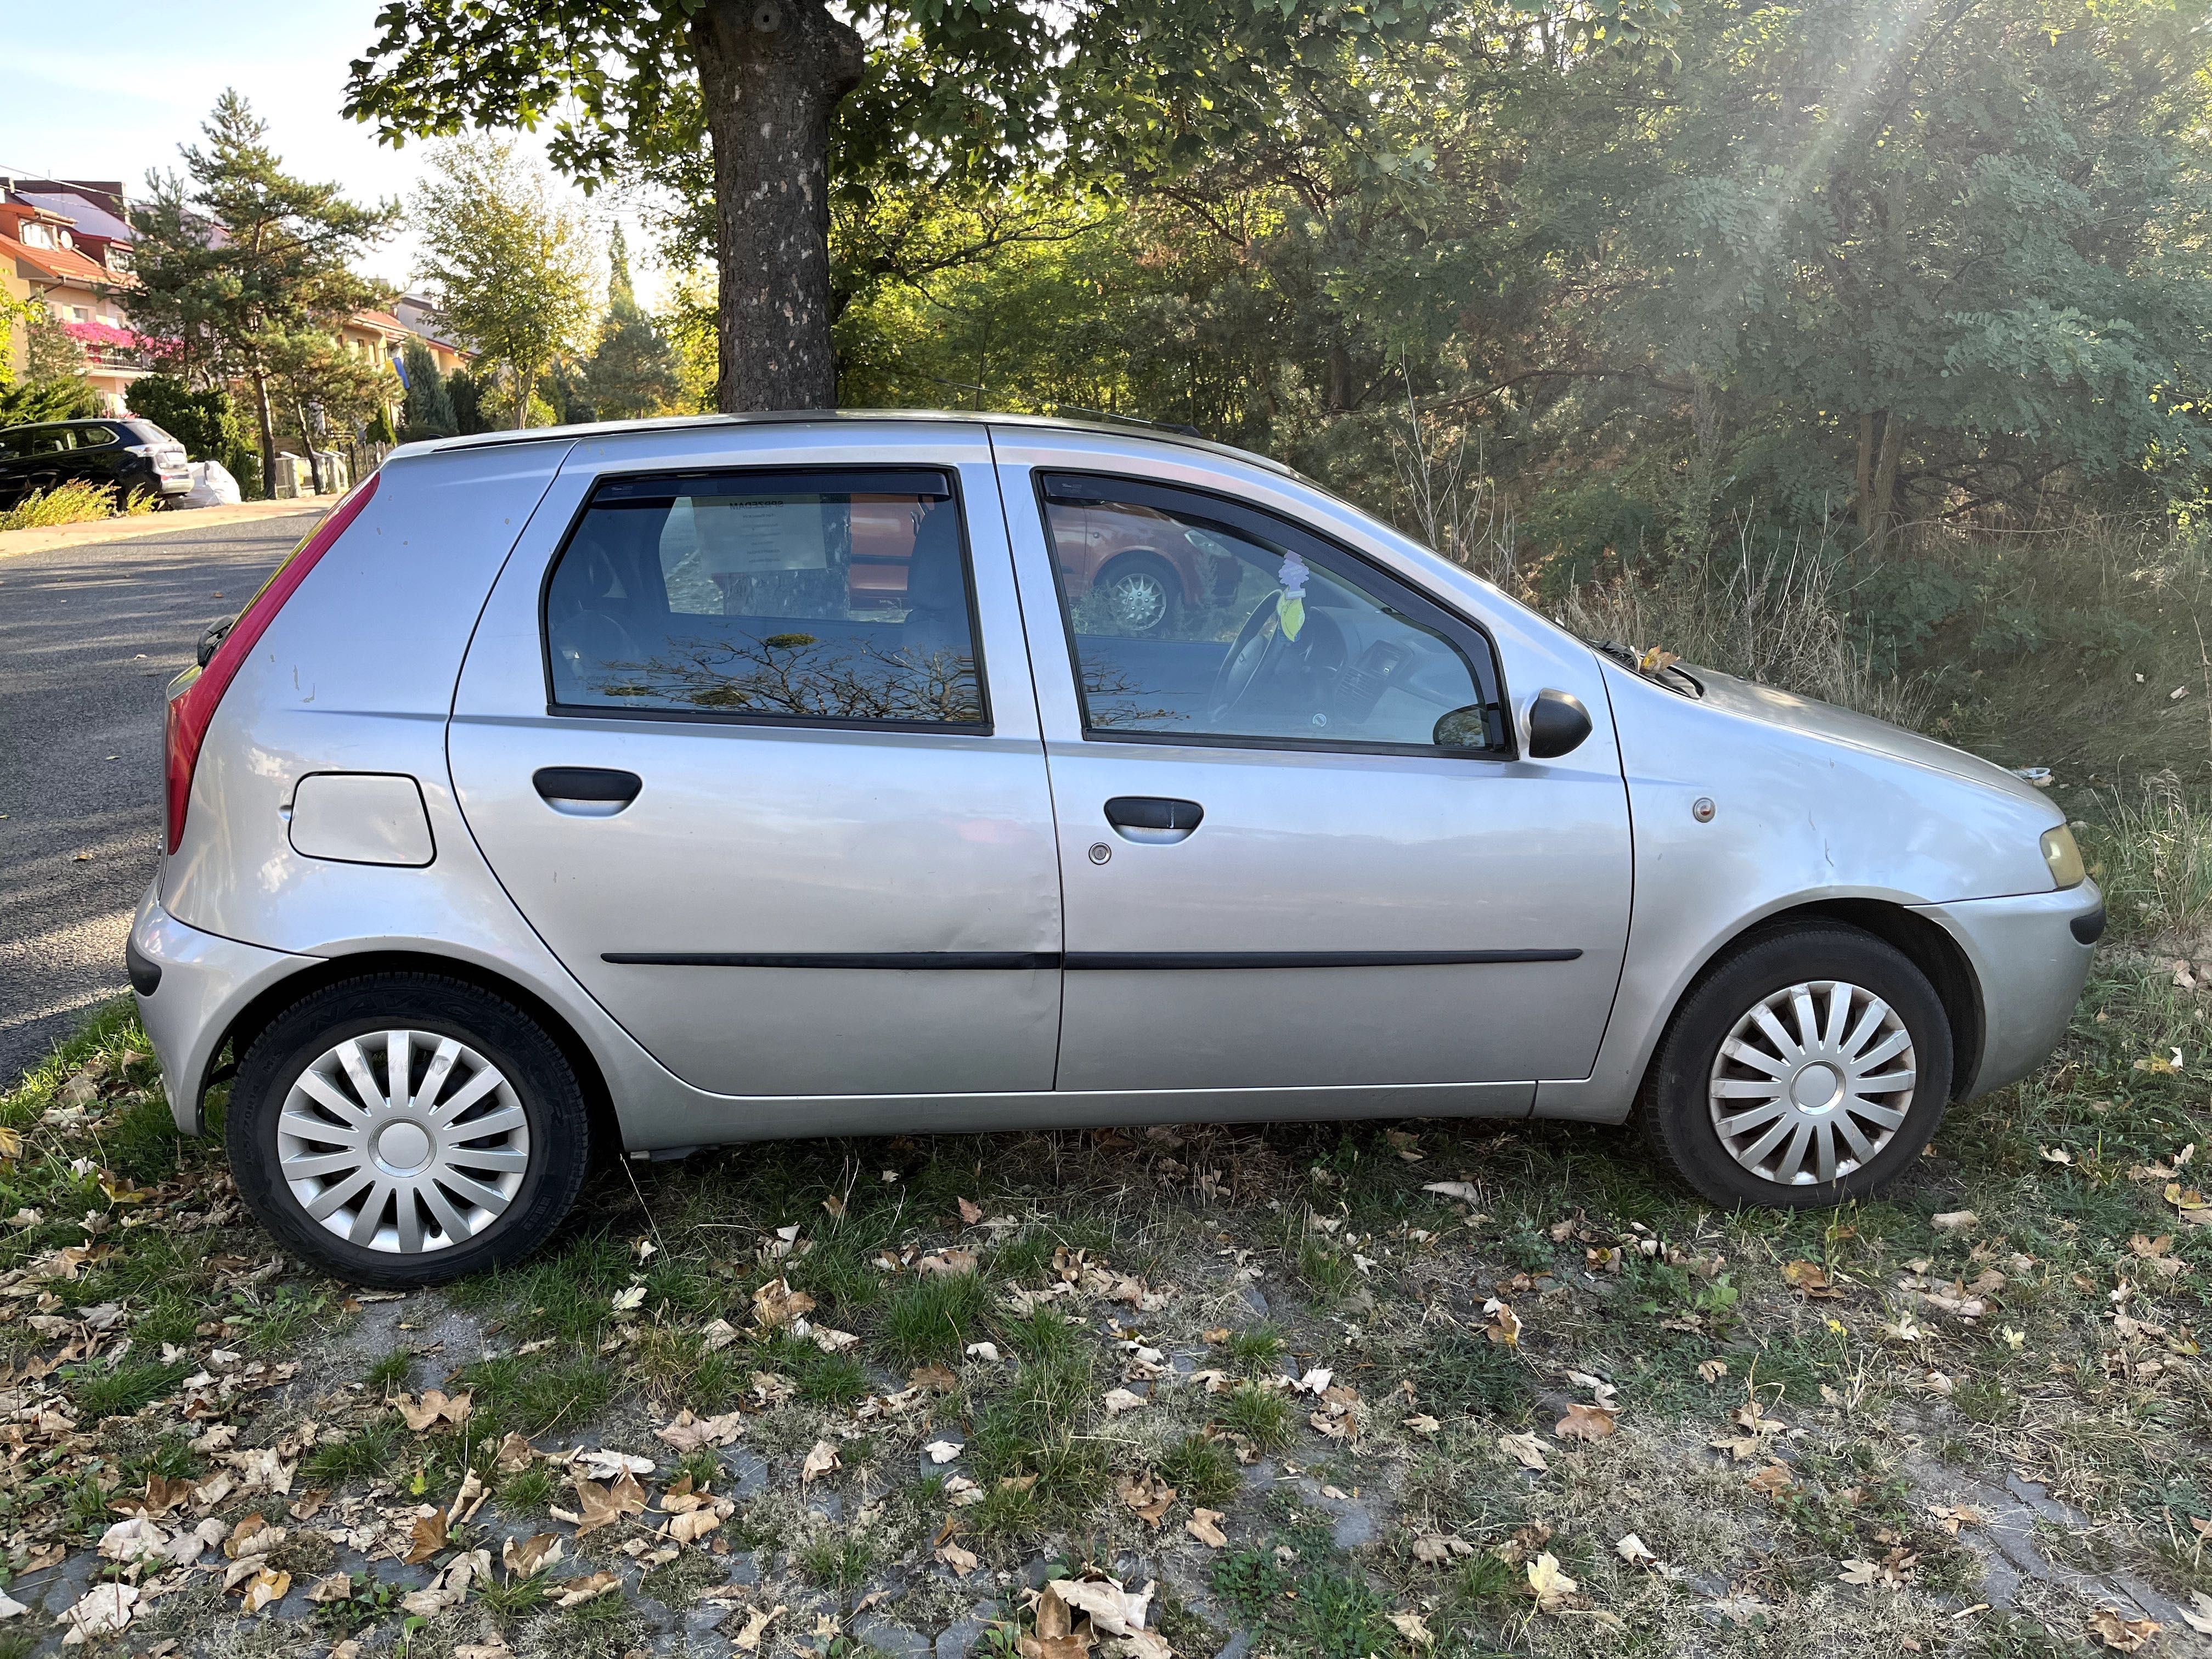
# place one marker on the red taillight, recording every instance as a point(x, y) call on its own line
point(191, 709)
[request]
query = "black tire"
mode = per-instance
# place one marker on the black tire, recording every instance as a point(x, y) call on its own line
point(1157, 570)
point(1678, 1109)
point(542, 1084)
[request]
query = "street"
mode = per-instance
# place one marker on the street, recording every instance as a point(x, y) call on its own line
point(91, 635)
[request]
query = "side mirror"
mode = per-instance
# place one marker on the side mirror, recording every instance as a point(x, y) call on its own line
point(1557, 723)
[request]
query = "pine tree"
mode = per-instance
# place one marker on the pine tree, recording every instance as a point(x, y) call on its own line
point(633, 372)
point(237, 261)
point(428, 410)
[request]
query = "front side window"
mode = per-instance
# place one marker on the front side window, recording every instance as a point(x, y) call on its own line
point(1200, 619)
point(793, 596)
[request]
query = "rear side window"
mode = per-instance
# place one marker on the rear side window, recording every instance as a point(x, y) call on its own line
point(808, 597)
point(35, 440)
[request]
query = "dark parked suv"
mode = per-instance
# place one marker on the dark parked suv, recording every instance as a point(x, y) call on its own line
point(136, 456)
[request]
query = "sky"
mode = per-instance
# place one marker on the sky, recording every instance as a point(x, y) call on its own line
point(111, 93)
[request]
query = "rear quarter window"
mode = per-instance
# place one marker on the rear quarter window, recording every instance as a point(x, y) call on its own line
point(832, 597)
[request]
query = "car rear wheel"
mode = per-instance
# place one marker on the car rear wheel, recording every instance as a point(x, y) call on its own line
point(1140, 593)
point(1810, 1066)
point(407, 1129)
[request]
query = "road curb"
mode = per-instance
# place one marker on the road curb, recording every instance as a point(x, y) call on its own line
point(175, 523)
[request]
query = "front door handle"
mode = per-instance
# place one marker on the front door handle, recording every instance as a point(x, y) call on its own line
point(1154, 818)
point(587, 791)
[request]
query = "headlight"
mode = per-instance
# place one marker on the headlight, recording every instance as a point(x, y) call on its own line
point(2064, 857)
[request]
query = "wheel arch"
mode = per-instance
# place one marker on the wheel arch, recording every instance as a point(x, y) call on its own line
point(1921, 942)
point(259, 1014)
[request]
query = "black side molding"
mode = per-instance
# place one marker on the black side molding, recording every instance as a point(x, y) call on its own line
point(985, 960)
point(1079, 961)
point(2089, 928)
point(1097, 961)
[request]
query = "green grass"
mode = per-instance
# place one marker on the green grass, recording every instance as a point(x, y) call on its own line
point(930, 1317)
point(1202, 1470)
point(1261, 1416)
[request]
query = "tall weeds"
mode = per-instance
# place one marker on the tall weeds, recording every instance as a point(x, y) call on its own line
point(2150, 849)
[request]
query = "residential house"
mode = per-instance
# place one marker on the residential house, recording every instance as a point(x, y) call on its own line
point(66, 243)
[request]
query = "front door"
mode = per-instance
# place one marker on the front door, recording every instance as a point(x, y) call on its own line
point(1295, 848)
point(782, 809)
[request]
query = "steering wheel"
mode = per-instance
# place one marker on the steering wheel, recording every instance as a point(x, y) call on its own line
point(1260, 653)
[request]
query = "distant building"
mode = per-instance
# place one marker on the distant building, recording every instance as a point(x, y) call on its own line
point(66, 243)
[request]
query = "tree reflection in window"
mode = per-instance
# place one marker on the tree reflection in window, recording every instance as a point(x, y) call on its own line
point(798, 675)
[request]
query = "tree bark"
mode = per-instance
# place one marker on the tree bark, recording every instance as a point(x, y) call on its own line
point(315, 460)
point(772, 73)
point(1885, 479)
point(1865, 478)
point(268, 420)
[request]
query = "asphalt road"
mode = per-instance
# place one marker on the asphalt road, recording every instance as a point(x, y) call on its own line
point(89, 639)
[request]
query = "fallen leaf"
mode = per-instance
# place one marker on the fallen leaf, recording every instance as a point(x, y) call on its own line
point(757, 1623)
point(590, 1588)
point(963, 1562)
point(936, 1378)
point(1585, 1422)
point(427, 1537)
point(1711, 1370)
point(689, 1434)
point(776, 1305)
point(1118, 1401)
point(2198, 1613)
point(1551, 1587)
point(944, 1451)
point(528, 1557)
point(952, 1262)
point(630, 1299)
point(1527, 1449)
point(1412, 1627)
point(1955, 1221)
point(1633, 1550)
point(1205, 1525)
point(819, 1462)
point(1503, 1325)
point(103, 1612)
point(434, 1408)
point(1464, 1191)
point(1422, 1423)
point(1809, 1279)
point(264, 1587)
point(2119, 1634)
point(970, 1211)
point(1148, 1496)
point(1772, 1479)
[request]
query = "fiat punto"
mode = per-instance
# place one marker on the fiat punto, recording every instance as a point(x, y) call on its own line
point(570, 789)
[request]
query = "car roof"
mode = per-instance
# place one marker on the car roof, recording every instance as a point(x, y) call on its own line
point(1130, 430)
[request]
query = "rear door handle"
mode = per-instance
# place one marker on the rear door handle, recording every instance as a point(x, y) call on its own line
point(1154, 818)
point(587, 791)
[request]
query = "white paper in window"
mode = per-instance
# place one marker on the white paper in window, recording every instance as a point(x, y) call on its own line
point(737, 537)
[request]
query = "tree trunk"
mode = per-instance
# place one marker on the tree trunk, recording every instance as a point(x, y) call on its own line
point(771, 73)
point(315, 460)
point(525, 382)
point(267, 419)
point(1885, 479)
point(1865, 479)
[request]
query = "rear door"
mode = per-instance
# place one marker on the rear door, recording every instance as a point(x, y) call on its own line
point(748, 734)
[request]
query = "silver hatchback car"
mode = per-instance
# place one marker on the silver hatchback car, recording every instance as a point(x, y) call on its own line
point(675, 783)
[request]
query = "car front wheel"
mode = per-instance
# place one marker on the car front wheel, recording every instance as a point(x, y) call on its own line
point(1810, 1066)
point(407, 1129)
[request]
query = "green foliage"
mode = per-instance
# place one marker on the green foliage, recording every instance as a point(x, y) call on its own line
point(632, 372)
point(206, 421)
point(507, 260)
point(76, 501)
point(31, 403)
point(427, 411)
point(466, 394)
point(261, 301)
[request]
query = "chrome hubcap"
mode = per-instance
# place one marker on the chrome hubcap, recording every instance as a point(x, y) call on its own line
point(403, 1141)
point(1812, 1083)
point(1138, 598)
